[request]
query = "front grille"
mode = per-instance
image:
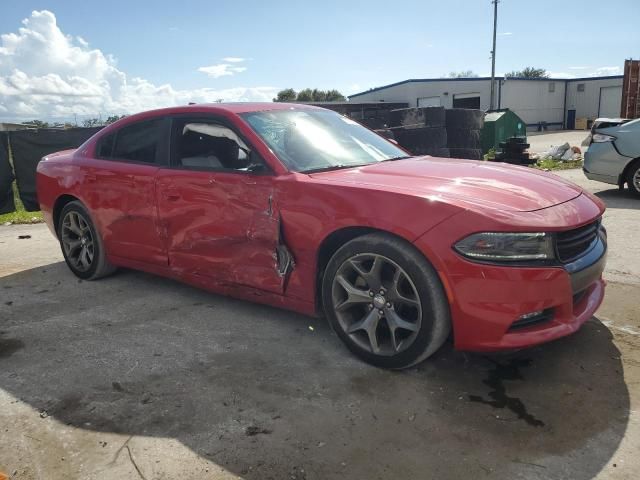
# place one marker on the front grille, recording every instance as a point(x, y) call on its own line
point(574, 243)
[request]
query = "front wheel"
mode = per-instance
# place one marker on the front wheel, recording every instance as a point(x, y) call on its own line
point(385, 301)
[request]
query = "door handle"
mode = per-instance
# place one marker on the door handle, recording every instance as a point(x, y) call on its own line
point(171, 195)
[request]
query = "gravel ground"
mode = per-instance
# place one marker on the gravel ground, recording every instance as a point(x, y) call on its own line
point(140, 377)
point(541, 142)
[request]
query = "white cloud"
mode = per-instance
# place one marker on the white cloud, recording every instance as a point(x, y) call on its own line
point(221, 70)
point(233, 59)
point(561, 75)
point(47, 74)
point(600, 71)
point(578, 68)
point(505, 34)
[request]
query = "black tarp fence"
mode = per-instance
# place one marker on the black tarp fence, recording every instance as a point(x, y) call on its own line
point(7, 205)
point(27, 148)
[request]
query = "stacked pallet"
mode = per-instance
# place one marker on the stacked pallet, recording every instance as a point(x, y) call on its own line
point(463, 132)
point(514, 151)
point(420, 130)
point(438, 132)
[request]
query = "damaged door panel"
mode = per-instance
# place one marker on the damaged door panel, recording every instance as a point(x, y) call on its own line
point(225, 226)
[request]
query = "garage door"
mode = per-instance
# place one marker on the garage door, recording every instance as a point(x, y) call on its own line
point(429, 101)
point(466, 100)
point(610, 100)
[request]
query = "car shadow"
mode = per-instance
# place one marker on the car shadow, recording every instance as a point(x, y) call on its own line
point(266, 393)
point(616, 198)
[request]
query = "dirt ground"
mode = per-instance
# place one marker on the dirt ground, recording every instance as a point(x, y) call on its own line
point(139, 377)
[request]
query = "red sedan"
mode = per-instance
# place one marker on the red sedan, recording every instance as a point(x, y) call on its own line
point(302, 208)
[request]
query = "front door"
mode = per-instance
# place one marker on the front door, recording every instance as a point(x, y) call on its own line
point(216, 206)
point(571, 119)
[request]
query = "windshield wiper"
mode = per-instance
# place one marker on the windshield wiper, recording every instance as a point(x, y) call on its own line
point(393, 159)
point(335, 167)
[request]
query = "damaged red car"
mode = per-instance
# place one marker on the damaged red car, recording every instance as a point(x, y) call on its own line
point(302, 208)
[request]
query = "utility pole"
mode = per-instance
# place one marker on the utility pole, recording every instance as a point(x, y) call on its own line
point(493, 55)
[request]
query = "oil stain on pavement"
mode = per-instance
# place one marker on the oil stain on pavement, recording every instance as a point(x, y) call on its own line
point(499, 398)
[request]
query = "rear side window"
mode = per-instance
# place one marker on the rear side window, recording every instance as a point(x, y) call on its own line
point(138, 142)
point(105, 146)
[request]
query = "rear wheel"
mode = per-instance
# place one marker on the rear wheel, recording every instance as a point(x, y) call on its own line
point(633, 178)
point(81, 244)
point(385, 301)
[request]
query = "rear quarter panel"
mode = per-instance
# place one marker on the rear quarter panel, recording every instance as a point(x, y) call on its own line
point(56, 175)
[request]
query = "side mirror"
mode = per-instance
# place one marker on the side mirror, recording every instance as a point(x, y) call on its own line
point(254, 163)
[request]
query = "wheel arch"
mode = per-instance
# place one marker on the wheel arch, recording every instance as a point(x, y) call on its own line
point(58, 206)
point(625, 172)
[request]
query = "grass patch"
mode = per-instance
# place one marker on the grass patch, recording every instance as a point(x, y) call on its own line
point(20, 215)
point(550, 164)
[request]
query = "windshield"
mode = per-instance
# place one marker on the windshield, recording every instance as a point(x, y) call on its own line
point(314, 140)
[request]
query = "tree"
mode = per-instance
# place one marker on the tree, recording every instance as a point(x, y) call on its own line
point(113, 118)
point(463, 74)
point(37, 124)
point(91, 122)
point(529, 72)
point(335, 96)
point(309, 95)
point(286, 95)
point(305, 95)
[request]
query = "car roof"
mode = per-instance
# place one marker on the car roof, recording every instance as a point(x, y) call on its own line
point(236, 108)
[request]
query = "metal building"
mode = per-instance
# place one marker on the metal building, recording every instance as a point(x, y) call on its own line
point(549, 102)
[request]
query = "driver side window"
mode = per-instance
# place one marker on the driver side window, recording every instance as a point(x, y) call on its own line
point(207, 145)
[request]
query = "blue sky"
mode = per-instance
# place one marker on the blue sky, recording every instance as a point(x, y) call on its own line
point(350, 46)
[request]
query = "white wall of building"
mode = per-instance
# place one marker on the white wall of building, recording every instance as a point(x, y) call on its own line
point(587, 103)
point(534, 101)
point(445, 90)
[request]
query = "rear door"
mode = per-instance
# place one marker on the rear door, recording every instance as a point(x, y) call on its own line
point(216, 203)
point(119, 187)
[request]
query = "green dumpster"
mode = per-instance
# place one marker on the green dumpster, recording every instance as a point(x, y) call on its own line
point(499, 125)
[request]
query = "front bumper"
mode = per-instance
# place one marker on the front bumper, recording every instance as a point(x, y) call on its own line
point(486, 300)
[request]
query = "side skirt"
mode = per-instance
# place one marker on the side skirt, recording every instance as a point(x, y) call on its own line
point(241, 292)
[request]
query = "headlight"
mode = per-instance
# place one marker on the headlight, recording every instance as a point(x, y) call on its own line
point(507, 247)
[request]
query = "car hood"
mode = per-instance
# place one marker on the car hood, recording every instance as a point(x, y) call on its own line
point(465, 183)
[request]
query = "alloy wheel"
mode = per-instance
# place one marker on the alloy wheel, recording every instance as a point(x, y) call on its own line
point(77, 241)
point(377, 304)
point(636, 179)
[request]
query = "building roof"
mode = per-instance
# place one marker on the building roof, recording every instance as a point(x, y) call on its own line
point(468, 79)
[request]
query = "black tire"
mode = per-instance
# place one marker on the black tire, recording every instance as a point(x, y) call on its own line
point(417, 117)
point(420, 139)
point(633, 178)
point(466, 153)
point(432, 309)
point(463, 138)
point(98, 266)
point(468, 118)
